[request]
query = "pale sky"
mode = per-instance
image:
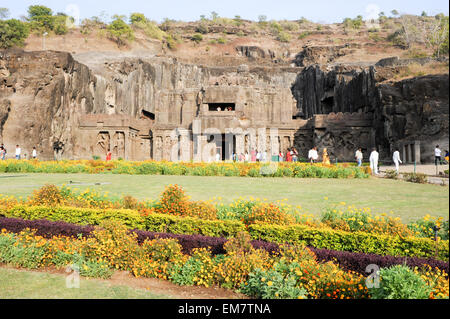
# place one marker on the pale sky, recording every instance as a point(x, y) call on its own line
point(324, 11)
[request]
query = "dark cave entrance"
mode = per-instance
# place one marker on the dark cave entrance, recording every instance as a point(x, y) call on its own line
point(327, 104)
point(148, 115)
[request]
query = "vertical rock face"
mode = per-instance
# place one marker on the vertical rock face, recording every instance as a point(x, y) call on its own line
point(41, 99)
point(416, 110)
point(133, 106)
point(341, 89)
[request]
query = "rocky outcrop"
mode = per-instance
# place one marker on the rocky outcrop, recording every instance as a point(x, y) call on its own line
point(320, 54)
point(255, 52)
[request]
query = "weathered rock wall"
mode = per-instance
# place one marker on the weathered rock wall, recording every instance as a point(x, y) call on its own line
point(414, 109)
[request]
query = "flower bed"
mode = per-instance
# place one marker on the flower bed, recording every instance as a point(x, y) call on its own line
point(283, 169)
point(342, 227)
point(173, 201)
point(315, 237)
point(347, 260)
point(292, 273)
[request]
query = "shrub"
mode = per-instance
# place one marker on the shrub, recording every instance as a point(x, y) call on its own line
point(415, 178)
point(173, 201)
point(202, 210)
point(283, 37)
point(240, 260)
point(400, 282)
point(112, 242)
point(47, 195)
point(197, 38)
point(268, 213)
point(198, 269)
point(303, 35)
point(391, 174)
point(271, 284)
point(119, 31)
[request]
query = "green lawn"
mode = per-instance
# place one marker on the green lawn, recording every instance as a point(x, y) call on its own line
point(20, 284)
point(407, 200)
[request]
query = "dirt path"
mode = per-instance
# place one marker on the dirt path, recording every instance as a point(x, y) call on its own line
point(156, 286)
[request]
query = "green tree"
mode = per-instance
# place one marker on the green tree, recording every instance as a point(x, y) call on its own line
point(12, 33)
point(394, 12)
point(39, 11)
point(424, 14)
point(60, 22)
point(437, 34)
point(137, 18)
point(119, 31)
point(214, 16)
point(41, 18)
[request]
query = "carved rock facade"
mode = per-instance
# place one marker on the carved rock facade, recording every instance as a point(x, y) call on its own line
point(159, 108)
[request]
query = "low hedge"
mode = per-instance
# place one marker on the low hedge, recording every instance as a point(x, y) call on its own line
point(49, 229)
point(131, 218)
point(76, 215)
point(351, 241)
point(346, 260)
point(314, 237)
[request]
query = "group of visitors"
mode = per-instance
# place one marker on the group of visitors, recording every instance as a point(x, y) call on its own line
point(291, 155)
point(253, 156)
point(229, 108)
point(374, 157)
point(18, 152)
point(313, 156)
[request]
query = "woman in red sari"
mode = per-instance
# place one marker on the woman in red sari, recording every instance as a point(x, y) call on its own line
point(108, 156)
point(288, 156)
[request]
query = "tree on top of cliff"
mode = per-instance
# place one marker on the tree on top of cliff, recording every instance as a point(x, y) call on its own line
point(12, 33)
point(41, 19)
point(119, 31)
point(150, 28)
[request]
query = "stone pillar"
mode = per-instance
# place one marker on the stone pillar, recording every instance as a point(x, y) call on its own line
point(252, 139)
point(240, 147)
point(261, 145)
point(405, 159)
point(417, 151)
point(185, 146)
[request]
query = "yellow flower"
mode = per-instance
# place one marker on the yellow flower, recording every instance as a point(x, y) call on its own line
point(269, 283)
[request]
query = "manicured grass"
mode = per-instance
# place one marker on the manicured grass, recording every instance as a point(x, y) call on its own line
point(20, 284)
point(407, 200)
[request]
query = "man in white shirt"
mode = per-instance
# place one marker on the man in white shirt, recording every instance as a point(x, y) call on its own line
point(313, 155)
point(374, 161)
point(34, 153)
point(18, 151)
point(437, 156)
point(359, 156)
point(397, 160)
point(217, 157)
